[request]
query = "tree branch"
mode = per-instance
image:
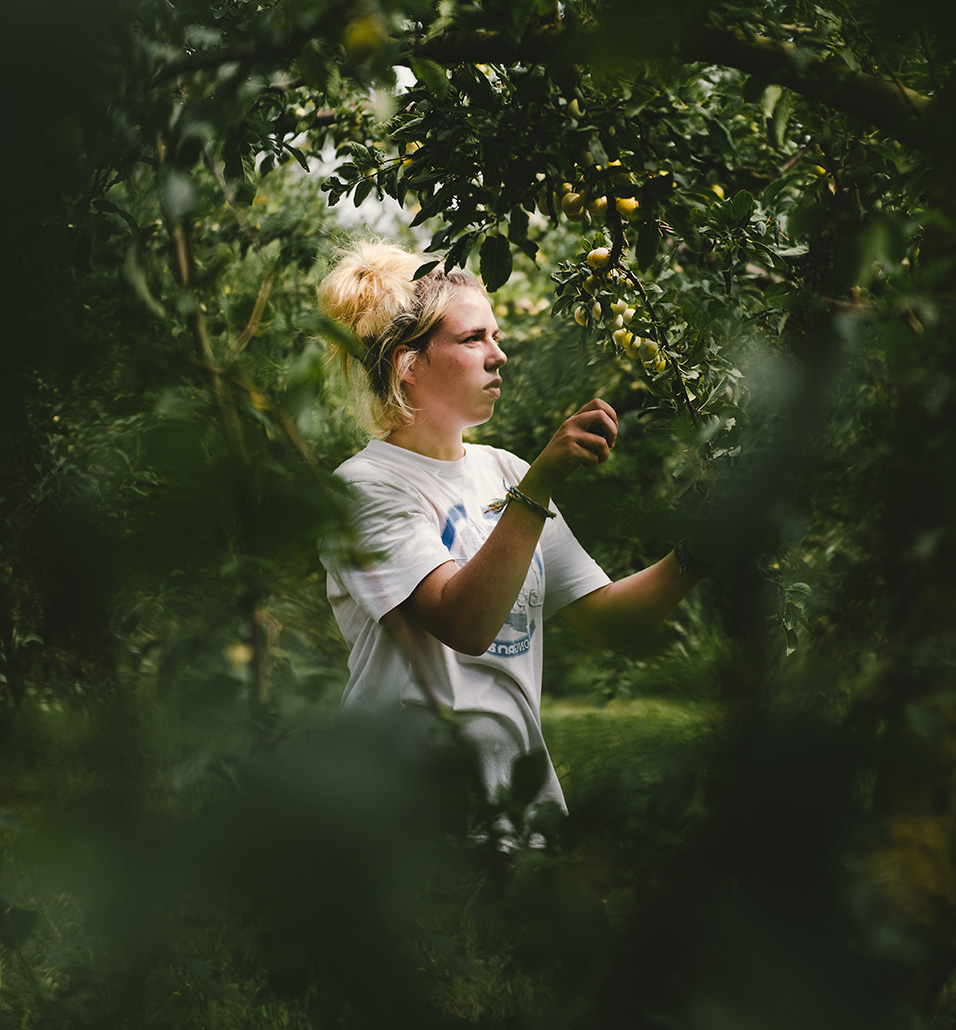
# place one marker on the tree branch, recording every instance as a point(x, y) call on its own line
point(906, 114)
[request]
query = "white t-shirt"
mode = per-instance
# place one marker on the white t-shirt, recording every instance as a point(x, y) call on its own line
point(413, 513)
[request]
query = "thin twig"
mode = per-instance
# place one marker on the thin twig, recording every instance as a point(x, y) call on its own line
point(262, 403)
point(252, 326)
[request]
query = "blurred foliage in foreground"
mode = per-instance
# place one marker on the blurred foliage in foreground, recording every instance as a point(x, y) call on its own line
point(764, 810)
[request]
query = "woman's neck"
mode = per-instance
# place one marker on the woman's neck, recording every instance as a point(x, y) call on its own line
point(422, 439)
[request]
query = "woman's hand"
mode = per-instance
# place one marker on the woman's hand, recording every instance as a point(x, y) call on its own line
point(586, 438)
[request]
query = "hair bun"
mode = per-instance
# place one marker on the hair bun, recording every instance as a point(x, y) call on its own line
point(369, 286)
point(371, 290)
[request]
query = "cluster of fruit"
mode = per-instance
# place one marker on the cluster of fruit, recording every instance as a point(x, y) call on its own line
point(603, 307)
point(590, 198)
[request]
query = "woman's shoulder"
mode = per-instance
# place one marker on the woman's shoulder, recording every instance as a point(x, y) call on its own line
point(372, 464)
point(485, 454)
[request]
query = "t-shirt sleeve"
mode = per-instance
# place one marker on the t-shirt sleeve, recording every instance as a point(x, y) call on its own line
point(401, 536)
point(570, 572)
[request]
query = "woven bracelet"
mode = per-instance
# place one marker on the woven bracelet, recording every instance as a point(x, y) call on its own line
point(686, 562)
point(514, 494)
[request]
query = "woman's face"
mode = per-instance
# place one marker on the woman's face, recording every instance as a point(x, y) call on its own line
point(456, 382)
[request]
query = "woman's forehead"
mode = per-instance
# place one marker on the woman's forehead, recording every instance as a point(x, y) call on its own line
point(469, 309)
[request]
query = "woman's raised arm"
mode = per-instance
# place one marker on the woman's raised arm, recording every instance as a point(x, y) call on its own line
point(465, 607)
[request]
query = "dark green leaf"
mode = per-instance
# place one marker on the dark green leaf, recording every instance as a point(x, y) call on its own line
point(743, 205)
point(431, 74)
point(424, 269)
point(648, 239)
point(362, 190)
point(495, 262)
point(298, 155)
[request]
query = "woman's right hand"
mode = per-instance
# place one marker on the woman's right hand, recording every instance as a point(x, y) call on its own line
point(586, 438)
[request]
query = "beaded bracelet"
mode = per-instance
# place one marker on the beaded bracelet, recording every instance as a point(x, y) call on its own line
point(514, 494)
point(686, 562)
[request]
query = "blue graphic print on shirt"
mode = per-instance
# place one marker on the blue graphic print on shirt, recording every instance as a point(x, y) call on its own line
point(463, 538)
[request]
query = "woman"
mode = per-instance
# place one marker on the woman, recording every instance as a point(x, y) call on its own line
point(469, 557)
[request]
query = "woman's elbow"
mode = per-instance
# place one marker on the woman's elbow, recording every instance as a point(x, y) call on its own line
point(465, 639)
point(470, 643)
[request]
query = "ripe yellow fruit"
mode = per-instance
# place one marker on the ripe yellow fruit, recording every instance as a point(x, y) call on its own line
point(648, 351)
point(622, 177)
point(364, 37)
point(619, 306)
point(629, 314)
point(598, 206)
point(631, 345)
point(599, 257)
point(596, 311)
point(617, 322)
point(718, 189)
point(660, 365)
point(574, 109)
point(590, 285)
point(626, 206)
point(622, 338)
point(580, 316)
point(572, 204)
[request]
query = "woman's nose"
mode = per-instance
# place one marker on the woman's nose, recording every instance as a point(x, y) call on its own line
point(498, 356)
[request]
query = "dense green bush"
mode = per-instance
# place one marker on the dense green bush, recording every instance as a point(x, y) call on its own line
point(762, 792)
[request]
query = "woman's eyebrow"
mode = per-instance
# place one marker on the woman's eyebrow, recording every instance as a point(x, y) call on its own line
point(478, 330)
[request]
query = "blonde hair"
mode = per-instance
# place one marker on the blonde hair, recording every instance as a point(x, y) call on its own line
point(371, 291)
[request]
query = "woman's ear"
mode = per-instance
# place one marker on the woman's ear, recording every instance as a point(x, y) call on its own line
point(403, 361)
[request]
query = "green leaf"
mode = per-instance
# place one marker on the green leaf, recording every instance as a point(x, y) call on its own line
point(781, 118)
point(362, 190)
point(753, 89)
point(134, 272)
point(518, 227)
point(460, 249)
point(431, 75)
point(495, 262)
point(645, 250)
point(743, 205)
point(769, 99)
point(298, 155)
point(424, 269)
point(597, 151)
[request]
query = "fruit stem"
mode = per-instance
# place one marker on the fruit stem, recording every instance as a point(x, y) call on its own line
point(680, 390)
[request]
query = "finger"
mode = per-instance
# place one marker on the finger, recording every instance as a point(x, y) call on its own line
point(597, 421)
point(597, 404)
point(592, 450)
point(585, 456)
